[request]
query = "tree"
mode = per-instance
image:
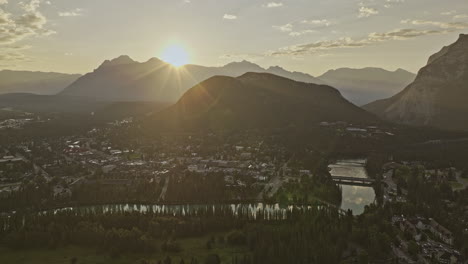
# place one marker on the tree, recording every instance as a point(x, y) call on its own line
point(413, 248)
point(212, 259)
point(363, 257)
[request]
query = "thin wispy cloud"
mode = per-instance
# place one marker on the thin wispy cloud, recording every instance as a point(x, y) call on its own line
point(367, 12)
point(317, 22)
point(371, 39)
point(273, 5)
point(449, 13)
point(73, 13)
point(304, 27)
point(302, 32)
point(229, 17)
point(284, 28)
point(447, 25)
point(461, 16)
point(390, 3)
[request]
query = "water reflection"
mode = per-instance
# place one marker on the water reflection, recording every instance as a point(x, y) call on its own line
point(354, 197)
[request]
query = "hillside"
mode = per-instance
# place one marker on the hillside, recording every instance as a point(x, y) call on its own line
point(438, 95)
point(259, 100)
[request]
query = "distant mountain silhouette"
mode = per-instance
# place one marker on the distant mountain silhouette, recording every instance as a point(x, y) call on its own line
point(439, 95)
point(103, 110)
point(259, 100)
point(362, 86)
point(123, 79)
point(42, 83)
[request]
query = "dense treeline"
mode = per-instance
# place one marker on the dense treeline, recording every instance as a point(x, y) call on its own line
point(320, 235)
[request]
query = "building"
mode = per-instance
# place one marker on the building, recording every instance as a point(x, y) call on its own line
point(441, 232)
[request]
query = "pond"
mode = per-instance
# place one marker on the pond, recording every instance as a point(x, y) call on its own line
point(353, 197)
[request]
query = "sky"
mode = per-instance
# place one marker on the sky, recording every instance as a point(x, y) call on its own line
point(312, 36)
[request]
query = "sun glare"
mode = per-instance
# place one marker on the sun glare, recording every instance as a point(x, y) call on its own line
point(175, 55)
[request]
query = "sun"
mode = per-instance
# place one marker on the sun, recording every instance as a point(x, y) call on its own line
point(176, 55)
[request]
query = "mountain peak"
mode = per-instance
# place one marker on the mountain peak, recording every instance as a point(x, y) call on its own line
point(462, 40)
point(275, 68)
point(154, 60)
point(121, 60)
point(244, 63)
point(437, 97)
point(256, 76)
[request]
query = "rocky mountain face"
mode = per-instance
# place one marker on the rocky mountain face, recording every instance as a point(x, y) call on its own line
point(259, 100)
point(123, 79)
point(438, 96)
point(41, 83)
point(362, 86)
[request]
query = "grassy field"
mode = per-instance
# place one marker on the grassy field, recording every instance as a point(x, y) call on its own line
point(193, 247)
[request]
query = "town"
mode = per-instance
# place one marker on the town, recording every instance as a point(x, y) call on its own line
point(98, 167)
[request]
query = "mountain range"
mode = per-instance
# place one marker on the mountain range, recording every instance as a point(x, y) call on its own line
point(42, 83)
point(259, 100)
point(437, 97)
point(123, 79)
point(362, 86)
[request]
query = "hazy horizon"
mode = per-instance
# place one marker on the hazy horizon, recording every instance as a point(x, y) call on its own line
point(296, 35)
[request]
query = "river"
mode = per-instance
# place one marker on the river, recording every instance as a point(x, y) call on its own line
point(353, 197)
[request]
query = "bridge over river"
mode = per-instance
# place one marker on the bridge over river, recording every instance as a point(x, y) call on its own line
point(346, 180)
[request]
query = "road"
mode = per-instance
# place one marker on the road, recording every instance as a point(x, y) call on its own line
point(164, 190)
point(37, 168)
point(275, 183)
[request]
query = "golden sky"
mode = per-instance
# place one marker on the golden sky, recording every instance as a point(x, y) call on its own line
point(311, 36)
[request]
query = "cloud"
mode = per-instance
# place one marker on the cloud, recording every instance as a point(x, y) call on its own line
point(5, 18)
point(302, 32)
point(3, 2)
point(444, 25)
point(370, 39)
point(461, 16)
point(229, 17)
point(72, 13)
point(273, 5)
point(317, 22)
point(449, 13)
point(290, 28)
point(315, 47)
point(402, 34)
point(284, 28)
point(367, 11)
point(390, 3)
point(14, 28)
point(33, 21)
